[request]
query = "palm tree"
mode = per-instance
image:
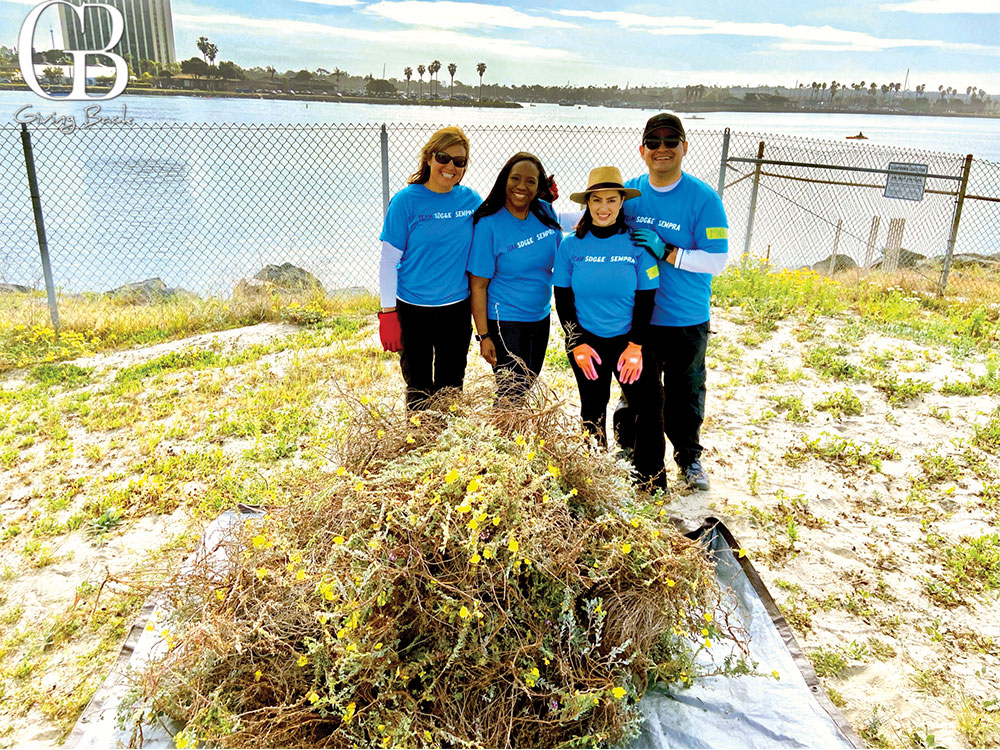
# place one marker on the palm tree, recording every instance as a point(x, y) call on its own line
point(408, 72)
point(481, 68)
point(833, 91)
point(270, 71)
point(433, 69)
point(337, 73)
point(421, 70)
point(451, 71)
point(202, 45)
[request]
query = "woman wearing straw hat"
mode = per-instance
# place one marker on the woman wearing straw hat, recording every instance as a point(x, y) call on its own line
point(424, 287)
point(604, 289)
point(514, 245)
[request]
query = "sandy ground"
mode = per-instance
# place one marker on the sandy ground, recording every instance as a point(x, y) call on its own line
point(846, 550)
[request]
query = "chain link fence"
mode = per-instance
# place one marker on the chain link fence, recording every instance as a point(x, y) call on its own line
point(203, 206)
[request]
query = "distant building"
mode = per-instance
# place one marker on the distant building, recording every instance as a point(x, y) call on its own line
point(149, 29)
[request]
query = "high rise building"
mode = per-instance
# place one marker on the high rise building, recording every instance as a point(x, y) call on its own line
point(149, 29)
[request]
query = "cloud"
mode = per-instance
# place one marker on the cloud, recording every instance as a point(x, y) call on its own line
point(800, 37)
point(944, 6)
point(412, 40)
point(455, 15)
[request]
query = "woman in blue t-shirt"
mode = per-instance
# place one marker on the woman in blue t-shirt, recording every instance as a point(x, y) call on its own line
point(514, 243)
point(604, 288)
point(424, 287)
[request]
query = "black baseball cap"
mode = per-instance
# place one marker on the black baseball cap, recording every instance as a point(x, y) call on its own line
point(665, 120)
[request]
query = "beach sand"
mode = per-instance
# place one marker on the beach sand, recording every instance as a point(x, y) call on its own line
point(853, 547)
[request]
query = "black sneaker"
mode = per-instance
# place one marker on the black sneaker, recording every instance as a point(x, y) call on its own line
point(695, 476)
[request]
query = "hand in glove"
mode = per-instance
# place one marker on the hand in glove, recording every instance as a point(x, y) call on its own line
point(553, 188)
point(585, 356)
point(389, 332)
point(650, 240)
point(630, 363)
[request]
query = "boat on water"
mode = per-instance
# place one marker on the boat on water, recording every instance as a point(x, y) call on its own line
point(859, 137)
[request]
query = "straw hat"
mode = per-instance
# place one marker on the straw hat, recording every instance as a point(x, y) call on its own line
point(604, 178)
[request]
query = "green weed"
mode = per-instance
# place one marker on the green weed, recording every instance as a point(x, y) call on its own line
point(900, 392)
point(841, 452)
point(840, 403)
point(69, 375)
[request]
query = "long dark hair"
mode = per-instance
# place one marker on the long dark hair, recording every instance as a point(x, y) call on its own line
point(586, 222)
point(439, 141)
point(498, 194)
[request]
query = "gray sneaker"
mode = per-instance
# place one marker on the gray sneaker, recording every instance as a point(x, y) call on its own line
point(695, 476)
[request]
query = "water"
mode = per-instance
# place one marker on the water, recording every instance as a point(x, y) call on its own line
point(961, 135)
point(202, 207)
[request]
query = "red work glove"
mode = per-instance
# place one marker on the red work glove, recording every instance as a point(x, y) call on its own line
point(585, 356)
point(553, 188)
point(389, 332)
point(630, 363)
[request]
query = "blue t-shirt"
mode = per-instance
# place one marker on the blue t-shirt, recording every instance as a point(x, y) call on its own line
point(517, 256)
point(690, 216)
point(434, 231)
point(604, 275)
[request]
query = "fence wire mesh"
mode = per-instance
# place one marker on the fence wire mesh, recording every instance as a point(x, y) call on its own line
point(203, 206)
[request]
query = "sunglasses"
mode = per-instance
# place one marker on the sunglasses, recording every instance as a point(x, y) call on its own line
point(442, 158)
point(654, 143)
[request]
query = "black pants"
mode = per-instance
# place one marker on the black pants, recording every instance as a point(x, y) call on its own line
point(680, 356)
point(643, 395)
point(520, 355)
point(435, 348)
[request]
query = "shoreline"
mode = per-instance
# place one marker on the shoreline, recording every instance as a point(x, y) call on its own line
point(687, 108)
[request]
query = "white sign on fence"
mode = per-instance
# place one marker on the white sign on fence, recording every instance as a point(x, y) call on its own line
point(910, 186)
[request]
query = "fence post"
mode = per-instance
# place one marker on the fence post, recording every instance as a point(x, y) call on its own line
point(723, 164)
point(872, 242)
point(385, 170)
point(753, 200)
point(954, 224)
point(836, 247)
point(43, 243)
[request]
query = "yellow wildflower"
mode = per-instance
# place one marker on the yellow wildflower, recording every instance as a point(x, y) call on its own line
point(409, 439)
point(378, 646)
point(259, 541)
point(415, 420)
point(626, 548)
point(473, 485)
point(359, 486)
point(465, 507)
point(453, 407)
point(743, 552)
point(257, 675)
point(427, 735)
point(776, 675)
point(529, 455)
point(451, 476)
point(708, 643)
point(473, 524)
point(312, 696)
point(302, 661)
point(512, 545)
point(475, 558)
point(464, 613)
point(341, 471)
point(338, 539)
point(301, 575)
point(635, 522)
point(488, 553)
point(704, 631)
point(261, 573)
point(554, 471)
point(365, 400)
point(380, 433)
point(496, 520)
point(707, 616)
point(220, 595)
point(573, 491)
point(520, 440)
point(619, 693)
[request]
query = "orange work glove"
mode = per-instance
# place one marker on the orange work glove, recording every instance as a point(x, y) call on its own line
point(584, 357)
point(630, 363)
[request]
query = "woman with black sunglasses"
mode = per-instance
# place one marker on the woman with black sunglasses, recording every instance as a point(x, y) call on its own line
point(424, 287)
point(514, 243)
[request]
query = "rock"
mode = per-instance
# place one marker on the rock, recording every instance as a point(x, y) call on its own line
point(349, 293)
point(842, 263)
point(289, 278)
point(14, 288)
point(907, 259)
point(253, 288)
point(147, 292)
point(964, 260)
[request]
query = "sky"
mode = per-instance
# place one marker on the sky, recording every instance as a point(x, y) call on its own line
point(588, 42)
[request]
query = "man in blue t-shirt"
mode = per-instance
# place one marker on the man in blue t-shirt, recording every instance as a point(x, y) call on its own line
point(679, 219)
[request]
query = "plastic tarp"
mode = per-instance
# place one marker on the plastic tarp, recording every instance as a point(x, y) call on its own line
point(717, 712)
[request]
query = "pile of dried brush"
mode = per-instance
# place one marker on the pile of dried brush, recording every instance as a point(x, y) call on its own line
point(470, 576)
